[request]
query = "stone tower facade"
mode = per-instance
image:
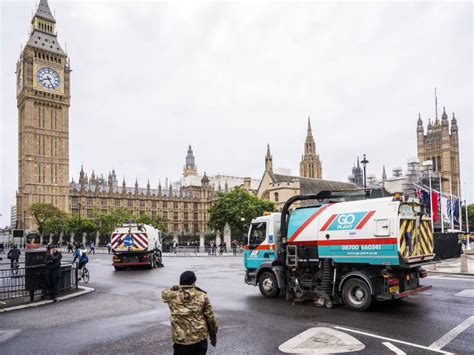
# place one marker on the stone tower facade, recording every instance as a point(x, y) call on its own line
point(440, 144)
point(190, 168)
point(357, 176)
point(310, 165)
point(43, 75)
point(268, 160)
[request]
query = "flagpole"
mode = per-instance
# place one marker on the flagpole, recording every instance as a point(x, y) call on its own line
point(460, 210)
point(440, 199)
point(431, 200)
point(451, 203)
point(467, 227)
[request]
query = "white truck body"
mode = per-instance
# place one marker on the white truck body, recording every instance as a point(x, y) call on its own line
point(136, 245)
point(135, 237)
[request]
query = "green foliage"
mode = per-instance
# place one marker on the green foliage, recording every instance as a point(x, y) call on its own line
point(88, 226)
point(120, 216)
point(42, 212)
point(105, 222)
point(56, 225)
point(156, 222)
point(78, 225)
point(470, 216)
point(231, 207)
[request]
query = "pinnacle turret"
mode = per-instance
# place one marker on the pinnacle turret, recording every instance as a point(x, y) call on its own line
point(419, 124)
point(310, 165)
point(205, 180)
point(190, 168)
point(44, 12)
point(268, 160)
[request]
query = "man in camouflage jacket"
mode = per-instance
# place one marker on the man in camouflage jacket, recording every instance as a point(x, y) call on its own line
point(192, 318)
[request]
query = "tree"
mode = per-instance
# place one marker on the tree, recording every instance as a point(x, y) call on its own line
point(470, 216)
point(156, 222)
point(42, 212)
point(120, 216)
point(232, 207)
point(56, 225)
point(105, 222)
point(77, 225)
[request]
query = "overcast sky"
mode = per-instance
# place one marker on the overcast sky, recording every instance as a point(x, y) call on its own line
point(149, 78)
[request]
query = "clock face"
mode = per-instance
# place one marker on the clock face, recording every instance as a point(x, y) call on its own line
point(48, 78)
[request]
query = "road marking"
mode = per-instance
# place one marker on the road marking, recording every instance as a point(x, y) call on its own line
point(7, 334)
point(465, 293)
point(453, 333)
point(394, 348)
point(321, 340)
point(451, 278)
point(394, 340)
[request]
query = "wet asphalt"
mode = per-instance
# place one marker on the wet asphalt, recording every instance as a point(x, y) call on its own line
point(125, 315)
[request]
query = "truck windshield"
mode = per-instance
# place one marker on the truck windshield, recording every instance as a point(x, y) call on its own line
point(258, 233)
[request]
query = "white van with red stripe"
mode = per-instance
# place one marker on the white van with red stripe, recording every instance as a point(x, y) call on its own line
point(136, 245)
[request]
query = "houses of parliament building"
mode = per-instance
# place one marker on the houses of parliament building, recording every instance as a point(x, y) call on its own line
point(43, 99)
point(43, 84)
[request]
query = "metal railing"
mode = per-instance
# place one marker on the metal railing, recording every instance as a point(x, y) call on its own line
point(33, 281)
point(194, 250)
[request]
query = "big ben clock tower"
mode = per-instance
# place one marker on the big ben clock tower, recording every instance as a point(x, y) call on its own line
point(43, 119)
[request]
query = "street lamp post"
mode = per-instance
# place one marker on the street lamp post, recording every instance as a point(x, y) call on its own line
point(364, 164)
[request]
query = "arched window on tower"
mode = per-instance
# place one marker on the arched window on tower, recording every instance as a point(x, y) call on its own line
point(433, 160)
point(276, 196)
point(439, 163)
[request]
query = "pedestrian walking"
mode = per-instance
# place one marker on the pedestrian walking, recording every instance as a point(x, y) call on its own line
point(2, 248)
point(92, 248)
point(109, 247)
point(69, 247)
point(234, 247)
point(192, 317)
point(13, 255)
point(53, 262)
point(175, 246)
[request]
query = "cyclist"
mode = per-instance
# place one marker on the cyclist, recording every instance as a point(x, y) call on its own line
point(78, 253)
point(83, 260)
point(14, 255)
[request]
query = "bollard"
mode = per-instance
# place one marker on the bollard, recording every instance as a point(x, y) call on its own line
point(464, 267)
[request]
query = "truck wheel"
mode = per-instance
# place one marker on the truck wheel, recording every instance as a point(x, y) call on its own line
point(118, 268)
point(268, 285)
point(356, 294)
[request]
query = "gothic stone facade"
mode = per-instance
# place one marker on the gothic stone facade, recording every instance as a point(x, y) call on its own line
point(184, 209)
point(440, 144)
point(43, 76)
point(278, 188)
point(310, 165)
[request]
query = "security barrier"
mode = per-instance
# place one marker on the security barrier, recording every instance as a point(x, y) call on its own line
point(33, 281)
point(447, 245)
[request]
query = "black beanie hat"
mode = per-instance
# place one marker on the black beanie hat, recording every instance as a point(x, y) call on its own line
point(187, 278)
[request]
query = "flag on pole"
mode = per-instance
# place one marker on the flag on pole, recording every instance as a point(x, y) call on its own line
point(434, 201)
point(418, 192)
point(455, 209)
point(426, 201)
point(445, 202)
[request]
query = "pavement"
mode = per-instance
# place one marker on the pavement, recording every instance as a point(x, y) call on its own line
point(454, 266)
point(23, 303)
point(125, 315)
